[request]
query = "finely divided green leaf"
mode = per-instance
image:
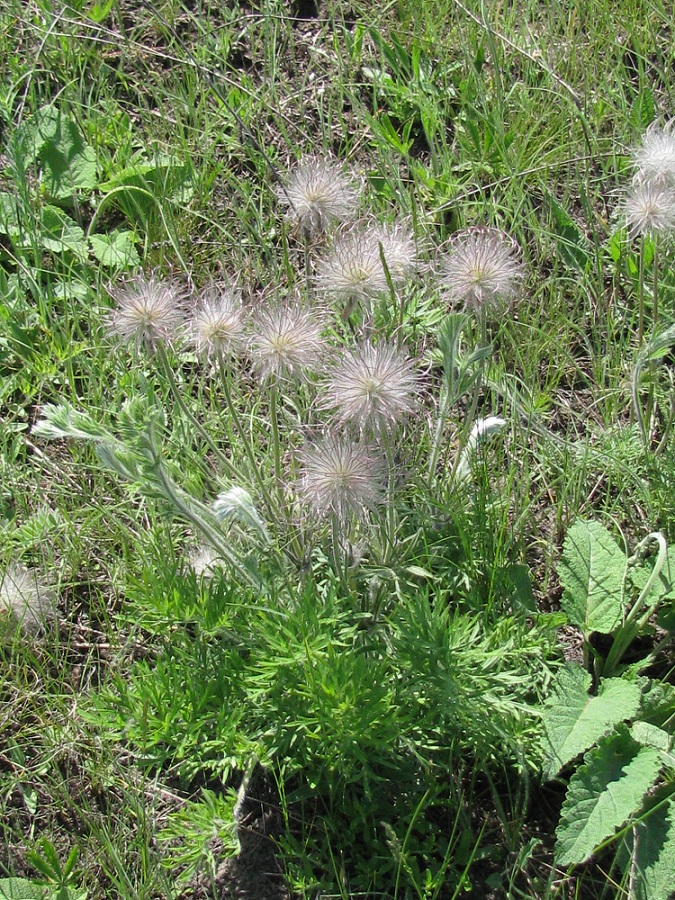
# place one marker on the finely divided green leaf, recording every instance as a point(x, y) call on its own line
point(592, 571)
point(602, 794)
point(574, 721)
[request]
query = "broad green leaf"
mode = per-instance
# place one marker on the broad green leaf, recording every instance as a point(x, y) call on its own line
point(651, 736)
point(19, 889)
point(68, 163)
point(572, 242)
point(574, 721)
point(602, 794)
point(651, 845)
point(61, 234)
point(658, 704)
point(115, 249)
point(9, 215)
point(592, 570)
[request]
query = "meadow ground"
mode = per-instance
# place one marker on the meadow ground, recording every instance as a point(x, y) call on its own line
point(336, 452)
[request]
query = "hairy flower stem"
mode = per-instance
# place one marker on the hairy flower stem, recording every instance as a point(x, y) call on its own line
point(308, 265)
point(195, 513)
point(294, 533)
point(655, 318)
point(641, 294)
point(339, 559)
point(438, 433)
point(248, 447)
point(276, 442)
point(167, 371)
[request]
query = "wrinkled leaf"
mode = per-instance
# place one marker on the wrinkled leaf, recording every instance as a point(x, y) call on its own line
point(592, 570)
point(19, 889)
point(61, 234)
point(115, 249)
point(574, 721)
point(602, 794)
point(68, 163)
point(651, 845)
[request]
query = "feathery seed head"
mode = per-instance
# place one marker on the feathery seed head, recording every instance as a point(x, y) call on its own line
point(354, 270)
point(482, 268)
point(373, 388)
point(149, 310)
point(217, 325)
point(649, 208)
point(287, 340)
point(317, 193)
point(655, 157)
point(27, 597)
point(340, 478)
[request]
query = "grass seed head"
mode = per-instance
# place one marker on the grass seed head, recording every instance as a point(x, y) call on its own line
point(217, 326)
point(649, 208)
point(482, 269)
point(373, 388)
point(655, 156)
point(149, 311)
point(318, 193)
point(27, 596)
point(340, 478)
point(287, 341)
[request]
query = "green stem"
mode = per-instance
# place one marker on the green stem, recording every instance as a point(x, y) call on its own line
point(438, 433)
point(197, 519)
point(339, 561)
point(641, 294)
point(248, 447)
point(632, 625)
point(276, 443)
point(190, 416)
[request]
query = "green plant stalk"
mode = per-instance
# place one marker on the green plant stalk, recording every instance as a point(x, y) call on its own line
point(438, 433)
point(200, 523)
point(655, 319)
point(339, 561)
point(276, 442)
point(294, 535)
point(636, 410)
point(194, 421)
point(248, 448)
point(632, 625)
point(641, 294)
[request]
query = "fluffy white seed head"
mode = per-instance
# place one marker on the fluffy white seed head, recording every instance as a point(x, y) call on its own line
point(218, 327)
point(318, 193)
point(149, 311)
point(649, 208)
point(655, 155)
point(27, 596)
point(482, 269)
point(286, 342)
point(372, 389)
point(354, 270)
point(340, 478)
